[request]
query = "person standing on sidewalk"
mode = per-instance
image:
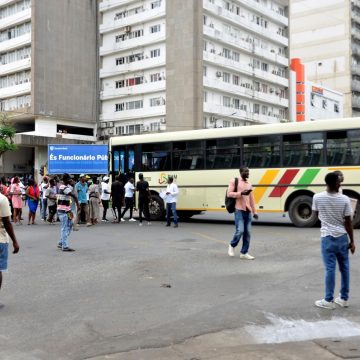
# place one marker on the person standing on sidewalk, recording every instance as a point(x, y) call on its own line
point(105, 196)
point(142, 187)
point(66, 194)
point(129, 199)
point(43, 199)
point(51, 198)
point(5, 230)
point(117, 196)
point(81, 189)
point(245, 209)
point(172, 192)
point(334, 211)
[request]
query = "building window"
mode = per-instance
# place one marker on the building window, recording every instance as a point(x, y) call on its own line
point(336, 108)
point(158, 101)
point(264, 67)
point(205, 45)
point(120, 61)
point(226, 77)
point(156, 4)
point(133, 105)
point(324, 104)
point(155, 29)
point(226, 53)
point(236, 56)
point(155, 77)
point(119, 84)
point(119, 107)
point(205, 94)
point(226, 123)
point(235, 80)
point(256, 109)
point(155, 53)
point(236, 103)
point(204, 71)
point(226, 101)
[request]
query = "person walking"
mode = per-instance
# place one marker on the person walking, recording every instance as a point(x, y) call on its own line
point(66, 194)
point(94, 201)
point(43, 199)
point(5, 230)
point(16, 198)
point(172, 192)
point(51, 200)
point(142, 187)
point(81, 189)
point(33, 195)
point(105, 197)
point(245, 210)
point(334, 212)
point(129, 199)
point(117, 196)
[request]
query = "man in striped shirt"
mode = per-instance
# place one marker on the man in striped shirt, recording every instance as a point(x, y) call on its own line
point(65, 196)
point(334, 212)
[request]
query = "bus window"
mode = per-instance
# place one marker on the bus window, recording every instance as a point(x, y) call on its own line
point(223, 153)
point(116, 161)
point(353, 151)
point(336, 146)
point(156, 157)
point(188, 155)
point(301, 150)
point(261, 151)
point(131, 160)
point(119, 160)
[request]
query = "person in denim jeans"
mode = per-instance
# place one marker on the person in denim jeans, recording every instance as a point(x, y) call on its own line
point(245, 210)
point(172, 192)
point(334, 212)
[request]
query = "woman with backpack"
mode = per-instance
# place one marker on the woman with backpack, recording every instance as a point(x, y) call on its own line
point(33, 195)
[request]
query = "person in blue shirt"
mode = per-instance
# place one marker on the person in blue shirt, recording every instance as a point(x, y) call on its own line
point(81, 189)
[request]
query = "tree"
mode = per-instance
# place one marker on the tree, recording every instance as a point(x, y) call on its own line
point(7, 134)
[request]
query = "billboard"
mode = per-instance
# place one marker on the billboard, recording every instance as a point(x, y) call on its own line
point(78, 159)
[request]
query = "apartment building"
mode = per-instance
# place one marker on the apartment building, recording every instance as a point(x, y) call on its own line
point(48, 76)
point(325, 35)
point(177, 65)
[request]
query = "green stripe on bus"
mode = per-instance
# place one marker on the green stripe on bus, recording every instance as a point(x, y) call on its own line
point(307, 178)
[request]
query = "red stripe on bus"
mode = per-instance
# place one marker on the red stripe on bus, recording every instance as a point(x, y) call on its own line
point(287, 178)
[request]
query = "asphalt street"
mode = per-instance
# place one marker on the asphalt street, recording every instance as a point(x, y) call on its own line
point(129, 287)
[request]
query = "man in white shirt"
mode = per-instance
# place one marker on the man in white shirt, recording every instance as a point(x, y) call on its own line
point(334, 212)
point(43, 199)
point(129, 199)
point(172, 192)
point(5, 230)
point(105, 196)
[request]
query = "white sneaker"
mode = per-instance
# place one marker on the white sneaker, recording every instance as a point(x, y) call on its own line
point(140, 224)
point(122, 220)
point(231, 251)
point(149, 223)
point(325, 304)
point(341, 302)
point(132, 219)
point(246, 256)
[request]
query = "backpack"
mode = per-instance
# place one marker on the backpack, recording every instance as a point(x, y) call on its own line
point(230, 202)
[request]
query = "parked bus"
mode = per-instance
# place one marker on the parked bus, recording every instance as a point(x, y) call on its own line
point(288, 163)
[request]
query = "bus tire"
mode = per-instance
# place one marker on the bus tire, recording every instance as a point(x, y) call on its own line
point(356, 219)
point(156, 208)
point(300, 212)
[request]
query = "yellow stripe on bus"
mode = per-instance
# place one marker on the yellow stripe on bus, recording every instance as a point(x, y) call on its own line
point(344, 168)
point(267, 178)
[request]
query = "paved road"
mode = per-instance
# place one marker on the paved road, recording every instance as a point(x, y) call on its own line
point(111, 295)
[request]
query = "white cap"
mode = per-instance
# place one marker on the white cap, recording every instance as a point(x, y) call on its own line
point(106, 178)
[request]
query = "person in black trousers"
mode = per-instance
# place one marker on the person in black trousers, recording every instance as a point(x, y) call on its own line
point(142, 187)
point(117, 195)
point(129, 199)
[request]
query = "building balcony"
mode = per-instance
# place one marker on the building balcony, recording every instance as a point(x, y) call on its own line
point(227, 113)
point(135, 66)
point(147, 112)
point(15, 43)
point(220, 61)
point(355, 16)
point(155, 87)
point(244, 45)
point(132, 43)
point(16, 90)
point(356, 3)
point(263, 10)
point(107, 5)
point(355, 85)
point(355, 69)
point(136, 19)
point(248, 93)
point(355, 101)
point(355, 33)
point(15, 19)
point(15, 66)
point(245, 23)
point(355, 49)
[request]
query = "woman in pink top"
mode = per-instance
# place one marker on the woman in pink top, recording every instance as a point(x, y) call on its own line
point(16, 199)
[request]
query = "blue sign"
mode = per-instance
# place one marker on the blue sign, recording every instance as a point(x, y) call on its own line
point(78, 159)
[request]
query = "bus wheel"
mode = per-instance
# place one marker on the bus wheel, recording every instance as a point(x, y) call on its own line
point(300, 212)
point(156, 208)
point(356, 219)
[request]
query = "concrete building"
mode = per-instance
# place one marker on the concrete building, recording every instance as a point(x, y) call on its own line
point(310, 101)
point(190, 64)
point(48, 76)
point(325, 35)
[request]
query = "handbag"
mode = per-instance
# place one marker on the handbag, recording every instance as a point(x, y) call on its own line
point(229, 201)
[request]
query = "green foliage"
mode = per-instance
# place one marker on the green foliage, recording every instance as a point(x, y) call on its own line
point(7, 134)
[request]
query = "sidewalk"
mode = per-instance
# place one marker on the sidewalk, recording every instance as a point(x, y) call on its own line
point(321, 349)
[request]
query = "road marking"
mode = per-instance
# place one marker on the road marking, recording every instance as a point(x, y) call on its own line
point(287, 330)
point(210, 238)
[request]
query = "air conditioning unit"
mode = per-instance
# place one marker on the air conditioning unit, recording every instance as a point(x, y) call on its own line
point(211, 25)
point(218, 74)
point(111, 131)
point(162, 121)
point(212, 51)
point(127, 29)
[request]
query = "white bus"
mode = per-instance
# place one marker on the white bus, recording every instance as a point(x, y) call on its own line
point(287, 162)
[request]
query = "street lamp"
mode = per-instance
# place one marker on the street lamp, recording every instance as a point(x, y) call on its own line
point(223, 117)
